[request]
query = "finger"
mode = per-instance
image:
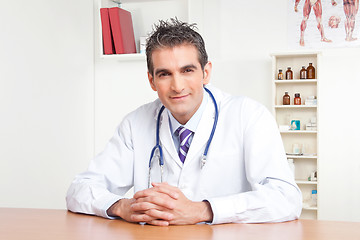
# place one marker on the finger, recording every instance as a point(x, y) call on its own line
point(145, 206)
point(159, 200)
point(157, 222)
point(151, 215)
point(141, 217)
point(165, 188)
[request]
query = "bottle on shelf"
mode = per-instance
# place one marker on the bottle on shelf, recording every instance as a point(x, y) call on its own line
point(286, 99)
point(289, 73)
point(310, 71)
point(297, 99)
point(303, 73)
point(280, 75)
point(292, 166)
point(314, 198)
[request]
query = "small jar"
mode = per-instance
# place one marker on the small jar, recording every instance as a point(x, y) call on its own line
point(297, 99)
point(310, 71)
point(286, 99)
point(289, 73)
point(303, 73)
point(280, 75)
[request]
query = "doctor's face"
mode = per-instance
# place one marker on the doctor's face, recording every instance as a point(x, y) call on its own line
point(179, 79)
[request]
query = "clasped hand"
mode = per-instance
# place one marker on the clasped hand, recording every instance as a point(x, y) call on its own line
point(162, 205)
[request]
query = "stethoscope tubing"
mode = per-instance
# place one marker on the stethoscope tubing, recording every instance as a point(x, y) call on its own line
point(158, 146)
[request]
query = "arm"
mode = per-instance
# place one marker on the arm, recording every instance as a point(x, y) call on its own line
point(95, 190)
point(273, 195)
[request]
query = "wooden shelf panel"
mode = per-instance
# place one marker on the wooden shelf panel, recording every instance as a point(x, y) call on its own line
point(296, 81)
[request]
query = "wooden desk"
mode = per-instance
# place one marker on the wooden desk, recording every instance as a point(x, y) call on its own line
point(39, 224)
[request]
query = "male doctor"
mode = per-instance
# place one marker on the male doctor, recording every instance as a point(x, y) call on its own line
point(246, 178)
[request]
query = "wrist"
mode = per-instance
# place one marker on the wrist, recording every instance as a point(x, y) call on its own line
point(206, 214)
point(117, 209)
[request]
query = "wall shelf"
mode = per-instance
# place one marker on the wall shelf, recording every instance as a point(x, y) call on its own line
point(296, 81)
point(125, 57)
point(295, 106)
point(298, 131)
point(306, 182)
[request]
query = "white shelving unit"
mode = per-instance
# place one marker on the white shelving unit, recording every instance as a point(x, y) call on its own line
point(306, 163)
point(144, 14)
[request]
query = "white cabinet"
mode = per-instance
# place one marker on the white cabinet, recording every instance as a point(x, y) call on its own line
point(144, 14)
point(300, 145)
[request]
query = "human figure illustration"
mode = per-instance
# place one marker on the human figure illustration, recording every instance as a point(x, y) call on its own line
point(351, 8)
point(316, 5)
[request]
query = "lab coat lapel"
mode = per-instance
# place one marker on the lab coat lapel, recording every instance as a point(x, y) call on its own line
point(202, 133)
point(166, 138)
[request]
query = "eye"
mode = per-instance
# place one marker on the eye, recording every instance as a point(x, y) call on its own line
point(188, 70)
point(163, 74)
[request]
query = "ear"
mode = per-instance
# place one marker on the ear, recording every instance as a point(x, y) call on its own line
point(151, 81)
point(207, 73)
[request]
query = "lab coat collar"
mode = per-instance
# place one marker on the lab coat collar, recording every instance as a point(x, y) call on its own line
point(202, 133)
point(166, 140)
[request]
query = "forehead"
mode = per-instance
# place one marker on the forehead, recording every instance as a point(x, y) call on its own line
point(179, 55)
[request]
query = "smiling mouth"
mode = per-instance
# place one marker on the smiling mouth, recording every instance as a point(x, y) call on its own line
point(179, 97)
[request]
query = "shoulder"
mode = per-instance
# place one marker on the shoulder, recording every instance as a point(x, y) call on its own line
point(146, 112)
point(235, 104)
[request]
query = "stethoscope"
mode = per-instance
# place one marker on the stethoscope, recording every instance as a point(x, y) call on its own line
point(159, 148)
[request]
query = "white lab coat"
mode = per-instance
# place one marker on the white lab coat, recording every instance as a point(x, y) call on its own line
point(246, 177)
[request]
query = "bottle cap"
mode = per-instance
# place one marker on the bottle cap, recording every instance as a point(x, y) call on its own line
point(314, 192)
point(289, 68)
point(286, 93)
point(297, 94)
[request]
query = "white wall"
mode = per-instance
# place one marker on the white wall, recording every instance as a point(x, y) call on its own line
point(240, 35)
point(46, 99)
point(339, 139)
point(47, 94)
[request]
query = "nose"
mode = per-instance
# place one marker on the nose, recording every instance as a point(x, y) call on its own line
point(177, 83)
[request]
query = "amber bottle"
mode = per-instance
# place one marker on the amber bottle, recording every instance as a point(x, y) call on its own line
point(280, 75)
point(297, 99)
point(303, 73)
point(286, 99)
point(289, 73)
point(310, 71)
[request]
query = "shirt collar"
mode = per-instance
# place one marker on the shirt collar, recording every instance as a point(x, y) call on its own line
point(194, 120)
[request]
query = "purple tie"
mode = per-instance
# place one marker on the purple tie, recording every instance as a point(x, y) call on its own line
point(184, 135)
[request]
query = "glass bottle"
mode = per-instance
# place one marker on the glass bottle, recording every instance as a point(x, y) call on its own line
point(310, 71)
point(289, 73)
point(303, 73)
point(280, 75)
point(297, 99)
point(286, 99)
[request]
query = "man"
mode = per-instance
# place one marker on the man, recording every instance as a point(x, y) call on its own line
point(316, 5)
point(245, 178)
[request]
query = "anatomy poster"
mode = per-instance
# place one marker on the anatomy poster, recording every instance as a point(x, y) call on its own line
point(323, 23)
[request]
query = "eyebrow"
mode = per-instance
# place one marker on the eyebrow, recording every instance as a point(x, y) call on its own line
point(189, 66)
point(164, 70)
